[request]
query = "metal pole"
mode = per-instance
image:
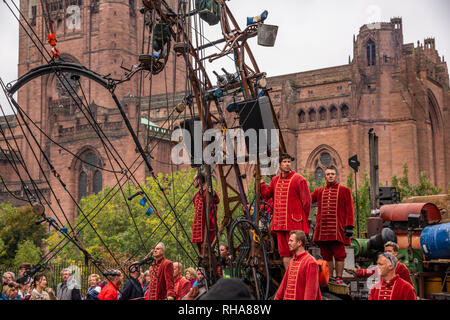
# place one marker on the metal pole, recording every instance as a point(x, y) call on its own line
point(357, 206)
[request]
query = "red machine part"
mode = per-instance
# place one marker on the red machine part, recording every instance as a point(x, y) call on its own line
point(401, 211)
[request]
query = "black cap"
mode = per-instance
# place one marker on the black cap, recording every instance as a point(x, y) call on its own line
point(228, 289)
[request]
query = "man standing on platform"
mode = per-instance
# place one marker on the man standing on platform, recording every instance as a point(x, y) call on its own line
point(301, 279)
point(198, 224)
point(390, 286)
point(181, 284)
point(291, 206)
point(334, 221)
point(161, 276)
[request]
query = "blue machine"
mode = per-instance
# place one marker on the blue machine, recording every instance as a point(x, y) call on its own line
point(435, 241)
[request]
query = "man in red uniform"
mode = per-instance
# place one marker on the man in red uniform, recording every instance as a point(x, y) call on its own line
point(291, 205)
point(110, 290)
point(390, 286)
point(161, 276)
point(401, 269)
point(334, 221)
point(301, 279)
point(181, 284)
point(198, 224)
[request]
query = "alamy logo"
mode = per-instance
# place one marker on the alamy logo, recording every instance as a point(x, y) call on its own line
point(227, 147)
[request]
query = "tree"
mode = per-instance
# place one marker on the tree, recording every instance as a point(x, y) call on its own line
point(119, 229)
point(423, 188)
point(27, 252)
point(16, 226)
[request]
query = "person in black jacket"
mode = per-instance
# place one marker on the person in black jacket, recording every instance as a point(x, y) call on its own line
point(133, 289)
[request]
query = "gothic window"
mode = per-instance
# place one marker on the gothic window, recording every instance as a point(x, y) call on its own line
point(82, 185)
point(302, 116)
point(371, 53)
point(90, 178)
point(322, 114)
point(344, 111)
point(319, 175)
point(312, 115)
point(97, 183)
point(323, 160)
point(333, 113)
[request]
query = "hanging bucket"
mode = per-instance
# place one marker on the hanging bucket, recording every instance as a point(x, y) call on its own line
point(267, 34)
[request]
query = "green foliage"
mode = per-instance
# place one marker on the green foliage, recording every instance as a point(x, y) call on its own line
point(2, 248)
point(126, 230)
point(361, 203)
point(27, 252)
point(312, 183)
point(16, 226)
point(423, 188)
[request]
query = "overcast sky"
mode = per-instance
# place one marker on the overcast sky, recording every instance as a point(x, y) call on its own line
point(312, 34)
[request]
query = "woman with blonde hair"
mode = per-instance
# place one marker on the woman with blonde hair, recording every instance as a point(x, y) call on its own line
point(191, 275)
point(11, 291)
point(40, 291)
point(94, 288)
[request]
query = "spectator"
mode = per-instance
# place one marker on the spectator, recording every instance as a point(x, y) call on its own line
point(199, 288)
point(40, 291)
point(2, 296)
point(67, 290)
point(191, 275)
point(146, 281)
point(133, 288)
point(8, 276)
point(24, 267)
point(223, 268)
point(11, 291)
point(94, 288)
point(110, 291)
point(25, 290)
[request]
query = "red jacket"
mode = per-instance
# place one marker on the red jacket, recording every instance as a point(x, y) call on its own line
point(198, 224)
point(301, 280)
point(335, 211)
point(181, 287)
point(109, 292)
point(396, 289)
point(161, 280)
point(401, 270)
point(292, 202)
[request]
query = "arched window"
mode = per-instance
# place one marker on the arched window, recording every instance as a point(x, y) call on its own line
point(90, 178)
point(321, 161)
point(344, 111)
point(97, 183)
point(312, 115)
point(319, 175)
point(371, 52)
point(322, 114)
point(333, 113)
point(82, 185)
point(302, 116)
